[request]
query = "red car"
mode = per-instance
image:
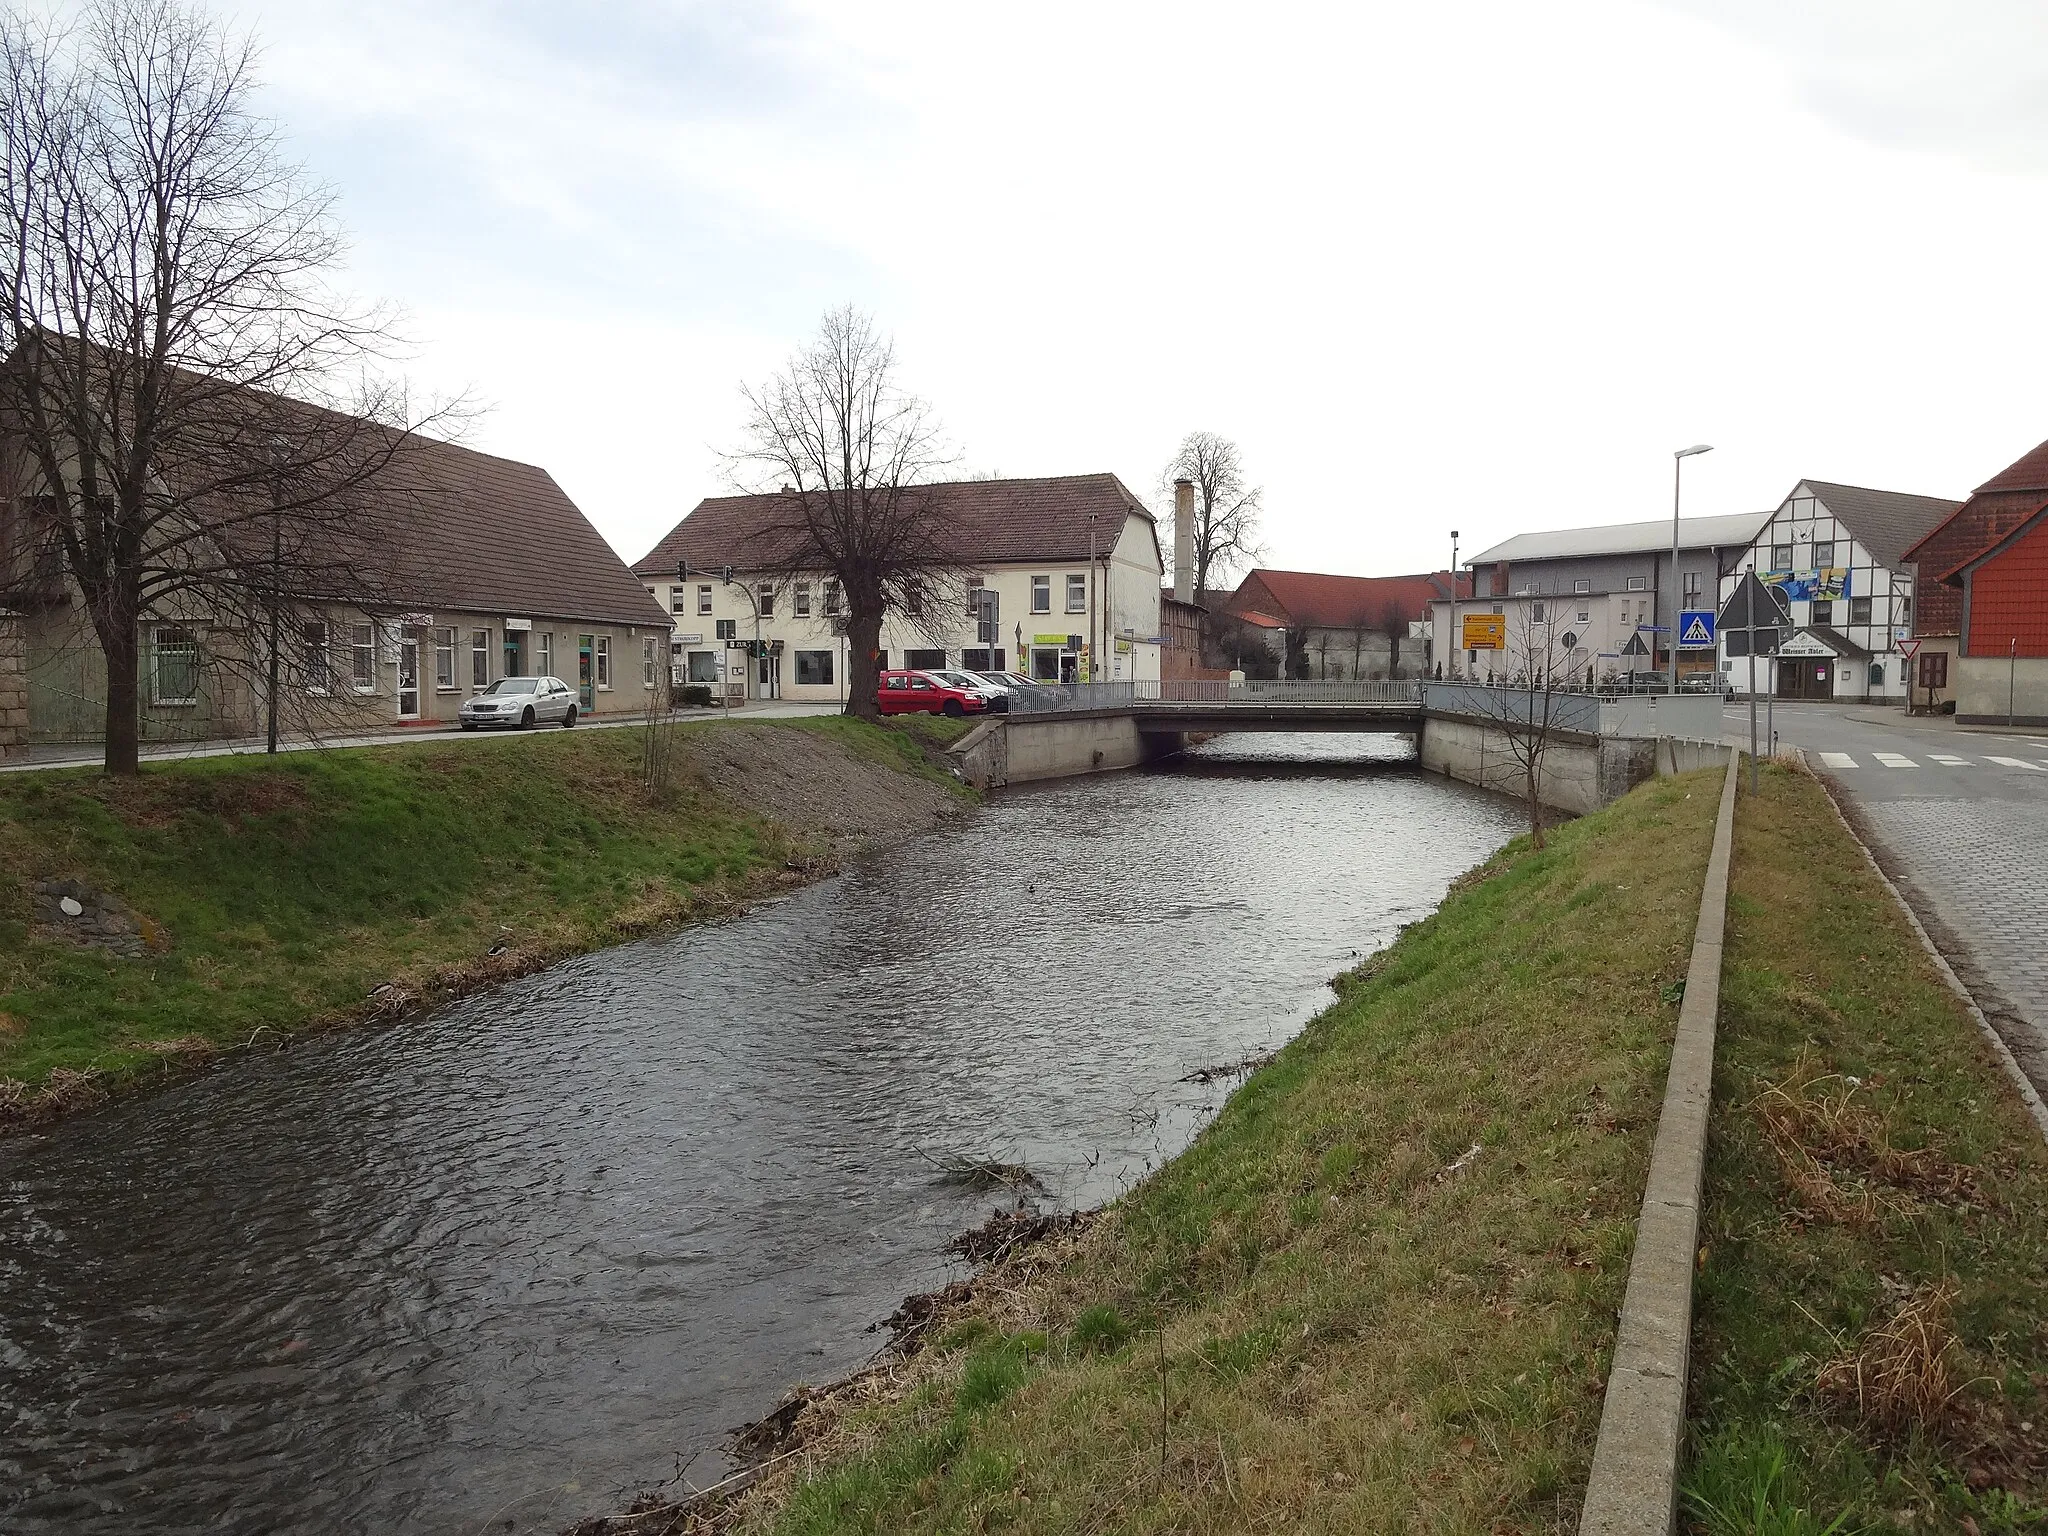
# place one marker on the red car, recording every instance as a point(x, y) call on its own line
point(919, 693)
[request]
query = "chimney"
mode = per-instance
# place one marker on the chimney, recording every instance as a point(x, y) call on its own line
point(1184, 541)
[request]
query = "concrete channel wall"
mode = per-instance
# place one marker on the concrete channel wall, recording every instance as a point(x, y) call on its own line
point(1021, 748)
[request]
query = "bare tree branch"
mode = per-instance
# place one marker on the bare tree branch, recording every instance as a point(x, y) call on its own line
point(1227, 511)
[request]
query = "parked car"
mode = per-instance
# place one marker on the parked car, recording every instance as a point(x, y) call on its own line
point(998, 696)
point(520, 702)
point(922, 693)
point(1015, 684)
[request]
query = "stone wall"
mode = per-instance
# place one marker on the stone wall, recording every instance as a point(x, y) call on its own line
point(13, 686)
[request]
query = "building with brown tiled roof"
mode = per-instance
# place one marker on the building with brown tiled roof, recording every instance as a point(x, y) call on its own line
point(1344, 627)
point(1070, 563)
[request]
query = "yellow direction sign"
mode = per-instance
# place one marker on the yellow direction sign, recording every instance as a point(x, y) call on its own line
point(1485, 631)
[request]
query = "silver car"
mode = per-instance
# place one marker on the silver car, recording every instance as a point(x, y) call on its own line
point(521, 701)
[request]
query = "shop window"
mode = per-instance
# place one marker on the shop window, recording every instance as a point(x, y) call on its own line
point(703, 666)
point(604, 661)
point(814, 668)
point(444, 658)
point(800, 600)
point(315, 636)
point(362, 651)
point(1859, 610)
point(1077, 594)
point(1041, 594)
point(174, 673)
point(1045, 665)
point(479, 658)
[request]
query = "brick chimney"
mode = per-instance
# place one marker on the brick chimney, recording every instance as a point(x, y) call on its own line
point(1184, 541)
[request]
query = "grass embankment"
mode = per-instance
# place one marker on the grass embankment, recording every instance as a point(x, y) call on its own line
point(1871, 1338)
point(289, 888)
point(1378, 1291)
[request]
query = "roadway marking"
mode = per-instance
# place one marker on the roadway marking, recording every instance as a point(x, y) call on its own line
point(1895, 760)
point(1838, 759)
point(1950, 762)
point(2017, 762)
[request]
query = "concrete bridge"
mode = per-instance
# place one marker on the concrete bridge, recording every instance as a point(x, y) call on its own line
point(1595, 748)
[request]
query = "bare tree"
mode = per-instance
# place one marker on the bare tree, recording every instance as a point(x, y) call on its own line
point(1226, 531)
point(849, 455)
point(187, 420)
point(1533, 715)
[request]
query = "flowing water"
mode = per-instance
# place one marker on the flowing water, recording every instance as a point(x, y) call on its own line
point(491, 1269)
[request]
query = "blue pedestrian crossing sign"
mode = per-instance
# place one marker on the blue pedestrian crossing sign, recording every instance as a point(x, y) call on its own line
point(1696, 629)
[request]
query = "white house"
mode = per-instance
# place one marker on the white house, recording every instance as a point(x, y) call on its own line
point(1073, 562)
point(1836, 555)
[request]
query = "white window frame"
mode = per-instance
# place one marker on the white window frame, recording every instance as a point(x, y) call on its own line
point(479, 659)
point(444, 658)
point(704, 601)
point(319, 665)
point(1077, 592)
point(601, 650)
point(362, 657)
point(647, 662)
point(544, 652)
point(1041, 594)
point(161, 646)
point(832, 599)
point(800, 600)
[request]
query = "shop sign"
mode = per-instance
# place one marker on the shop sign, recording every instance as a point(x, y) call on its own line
point(690, 639)
point(1804, 644)
point(1059, 640)
point(516, 625)
point(1485, 631)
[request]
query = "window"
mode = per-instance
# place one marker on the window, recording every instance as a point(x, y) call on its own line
point(814, 667)
point(444, 658)
point(831, 598)
point(1823, 554)
point(678, 600)
point(1582, 585)
point(703, 666)
point(1077, 594)
point(1877, 674)
point(1859, 610)
point(1781, 557)
point(764, 599)
point(362, 650)
point(515, 654)
point(703, 601)
point(919, 661)
point(174, 677)
point(1823, 610)
point(728, 629)
point(316, 658)
point(1585, 615)
point(604, 661)
point(544, 651)
point(1045, 665)
point(882, 661)
point(975, 659)
point(974, 586)
point(800, 600)
point(1635, 584)
point(1692, 583)
point(479, 658)
point(1536, 613)
point(1905, 607)
point(1933, 669)
point(647, 663)
point(1041, 594)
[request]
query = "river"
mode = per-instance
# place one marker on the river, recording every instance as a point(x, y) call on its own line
point(496, 1267)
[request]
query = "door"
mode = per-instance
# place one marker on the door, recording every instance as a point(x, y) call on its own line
point(1805, 677)
point(408, 676)
point(586, 672)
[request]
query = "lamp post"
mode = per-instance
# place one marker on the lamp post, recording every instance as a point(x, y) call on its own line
point(1448, 654)
point(1677, 464)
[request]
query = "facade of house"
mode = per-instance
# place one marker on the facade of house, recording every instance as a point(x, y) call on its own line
point(1340, 628)
point(1838, 556)
point(1995, 510)
point(1591, 605)
point(1072, 561)
point(486, 570)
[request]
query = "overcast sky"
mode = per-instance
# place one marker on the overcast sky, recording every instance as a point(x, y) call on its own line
point(1477, 264)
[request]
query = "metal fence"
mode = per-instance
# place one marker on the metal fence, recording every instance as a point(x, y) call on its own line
point(1058, 698)
point(1515, 706)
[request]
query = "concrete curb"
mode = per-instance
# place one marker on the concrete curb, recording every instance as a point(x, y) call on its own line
point(1999, 1048)
point(1633, 1490)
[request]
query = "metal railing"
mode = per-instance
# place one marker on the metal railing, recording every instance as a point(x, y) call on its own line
point(1061, 698)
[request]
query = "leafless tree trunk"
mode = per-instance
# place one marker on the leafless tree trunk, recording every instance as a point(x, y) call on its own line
point(176, 435)
point(1226, 532)
point(1530, 717)
point(849, 455)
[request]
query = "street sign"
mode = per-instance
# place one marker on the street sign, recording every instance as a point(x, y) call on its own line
point(1484, 631)
point(1753, 620)
point(1908, 646)
point(1696, 629)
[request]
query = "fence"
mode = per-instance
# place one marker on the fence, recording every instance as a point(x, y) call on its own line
point(1060, 698)
point(1689, 716)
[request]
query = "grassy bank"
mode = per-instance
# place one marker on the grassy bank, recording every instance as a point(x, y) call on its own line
point(288, 890)
point(1377, 1293)
point(1872, 1324)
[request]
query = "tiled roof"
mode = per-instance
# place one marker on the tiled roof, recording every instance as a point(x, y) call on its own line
point(1627, 538)
point(2029, 472)
point(1887, 523)
point(1058, 518)
point(1314, 600)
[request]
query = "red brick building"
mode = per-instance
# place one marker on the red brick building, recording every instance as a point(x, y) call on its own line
point(1344, 627)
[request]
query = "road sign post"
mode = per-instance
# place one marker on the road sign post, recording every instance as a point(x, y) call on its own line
point(1752, 623)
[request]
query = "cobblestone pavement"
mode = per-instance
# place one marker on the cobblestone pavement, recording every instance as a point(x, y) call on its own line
point(1959, 820)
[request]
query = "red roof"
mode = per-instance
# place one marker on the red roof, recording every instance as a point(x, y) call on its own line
point(1315, 600)
point(2029, 472)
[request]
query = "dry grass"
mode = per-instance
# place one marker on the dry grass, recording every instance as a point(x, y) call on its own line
point(1904, 1375)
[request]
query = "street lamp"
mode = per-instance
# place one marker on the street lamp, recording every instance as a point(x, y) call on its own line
point(1678, 463)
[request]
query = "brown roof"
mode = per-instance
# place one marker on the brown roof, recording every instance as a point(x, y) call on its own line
point(2029, 472)
point(1057, 518)
point(1887, 523)
point(1314, 600)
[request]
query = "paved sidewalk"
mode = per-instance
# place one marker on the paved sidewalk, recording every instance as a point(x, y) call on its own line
point(89, 756)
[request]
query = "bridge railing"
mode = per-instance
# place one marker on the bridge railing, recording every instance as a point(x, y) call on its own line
point(1060, 698)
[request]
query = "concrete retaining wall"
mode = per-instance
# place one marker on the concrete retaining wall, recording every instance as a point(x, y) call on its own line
point(1580, 773)
point(1020, 748)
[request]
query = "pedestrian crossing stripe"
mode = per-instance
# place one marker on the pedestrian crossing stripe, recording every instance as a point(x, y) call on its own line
point(1838, 759)
point(1951, 762)
point(1895, 760)
point(2016, 762)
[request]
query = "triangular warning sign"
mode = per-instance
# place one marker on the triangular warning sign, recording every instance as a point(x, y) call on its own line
point(1696, 633)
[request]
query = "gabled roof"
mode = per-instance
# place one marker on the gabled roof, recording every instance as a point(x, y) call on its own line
point(2028, 472)
point(1316, 600)
point(1627, 538)
point(1887, 523)
point(2019, 530)
point(1055, 519)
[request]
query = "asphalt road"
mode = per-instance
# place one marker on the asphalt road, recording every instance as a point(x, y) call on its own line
point(1958, 817)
